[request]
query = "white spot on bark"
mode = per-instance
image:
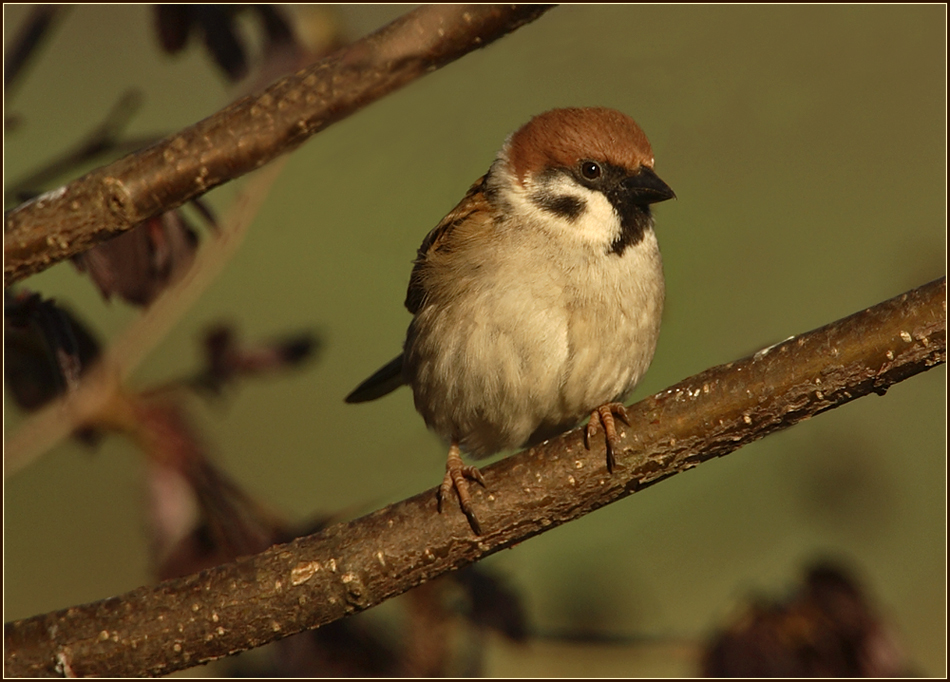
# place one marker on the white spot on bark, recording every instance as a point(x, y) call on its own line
point(303, 571)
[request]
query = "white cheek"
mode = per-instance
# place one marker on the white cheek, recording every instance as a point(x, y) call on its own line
point(597, 225)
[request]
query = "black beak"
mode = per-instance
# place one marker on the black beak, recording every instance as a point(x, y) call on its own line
point(646, 187)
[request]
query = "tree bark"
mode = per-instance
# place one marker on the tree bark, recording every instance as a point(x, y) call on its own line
point(247, 134)
point(353, 566)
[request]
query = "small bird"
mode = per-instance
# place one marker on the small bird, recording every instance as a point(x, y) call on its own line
point(537, 300)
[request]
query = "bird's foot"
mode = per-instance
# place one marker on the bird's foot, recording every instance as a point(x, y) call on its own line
point(455, 474)
point(604, 416)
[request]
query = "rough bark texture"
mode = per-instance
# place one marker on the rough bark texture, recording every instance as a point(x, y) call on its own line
point(352, 566)
point(247, 134)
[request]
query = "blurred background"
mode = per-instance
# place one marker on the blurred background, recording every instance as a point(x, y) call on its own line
point(807, 148)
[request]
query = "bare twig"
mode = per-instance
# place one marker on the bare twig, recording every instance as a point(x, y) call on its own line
point(353, 566)
point(98, 386)
point(247, 134)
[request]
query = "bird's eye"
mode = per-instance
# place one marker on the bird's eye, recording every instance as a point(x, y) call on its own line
point(590, 170)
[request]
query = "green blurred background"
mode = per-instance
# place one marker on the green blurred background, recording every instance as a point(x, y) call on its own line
point(807, 148)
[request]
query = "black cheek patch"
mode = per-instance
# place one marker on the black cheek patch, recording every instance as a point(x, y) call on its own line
point(565, 206)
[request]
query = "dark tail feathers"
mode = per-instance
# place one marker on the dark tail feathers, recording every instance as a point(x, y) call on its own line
point(386, 380)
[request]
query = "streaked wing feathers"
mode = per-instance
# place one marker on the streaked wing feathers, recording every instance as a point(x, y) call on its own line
point(440, 238)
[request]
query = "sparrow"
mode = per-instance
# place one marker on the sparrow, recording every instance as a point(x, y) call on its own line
point(537, 300)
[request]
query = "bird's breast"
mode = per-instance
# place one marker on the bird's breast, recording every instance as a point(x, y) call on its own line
point(525, 345)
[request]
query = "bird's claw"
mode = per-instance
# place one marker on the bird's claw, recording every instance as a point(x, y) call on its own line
point(604, 415)
point(455, 474)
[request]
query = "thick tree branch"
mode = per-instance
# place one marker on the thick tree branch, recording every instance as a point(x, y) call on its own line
point(247, 134)
point(353, 566)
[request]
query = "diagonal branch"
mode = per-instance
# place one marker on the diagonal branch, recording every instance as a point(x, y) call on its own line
point(247, 134)
point(104, 138)
point(353, 566)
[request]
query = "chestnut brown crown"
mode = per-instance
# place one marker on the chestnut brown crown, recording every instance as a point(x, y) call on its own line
point(561, 137)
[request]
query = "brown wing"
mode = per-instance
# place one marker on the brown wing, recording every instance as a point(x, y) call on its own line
point(440, 239)
point(473, 212)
